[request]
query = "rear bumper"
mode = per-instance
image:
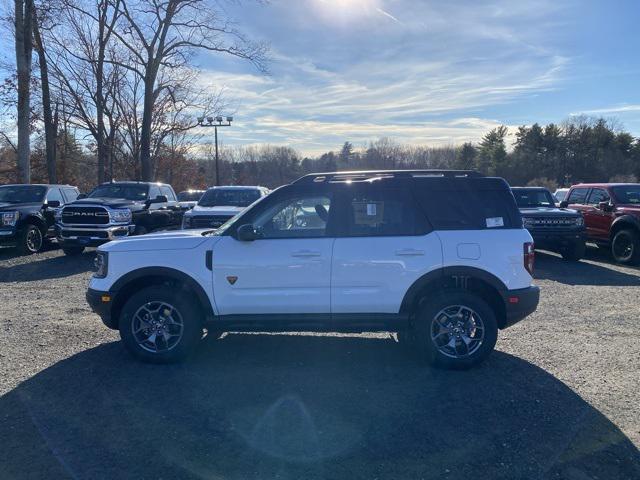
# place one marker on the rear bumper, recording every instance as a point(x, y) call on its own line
point(100, 302)
point(519, 304)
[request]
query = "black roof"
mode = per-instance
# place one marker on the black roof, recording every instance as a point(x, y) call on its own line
point(133, 182)
point(366, 175)
point(38, 185)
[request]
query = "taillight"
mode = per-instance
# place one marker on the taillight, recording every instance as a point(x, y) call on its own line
point(529, 257)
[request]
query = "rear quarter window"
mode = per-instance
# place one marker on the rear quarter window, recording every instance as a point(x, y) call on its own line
point(467, 204)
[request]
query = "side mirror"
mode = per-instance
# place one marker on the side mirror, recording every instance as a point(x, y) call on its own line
point(246, 233)
point(53, 203)
point(564, 204)
point(81, 196)
point(605, 206)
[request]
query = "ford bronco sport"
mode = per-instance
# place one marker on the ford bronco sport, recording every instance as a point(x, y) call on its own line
point(440, 257)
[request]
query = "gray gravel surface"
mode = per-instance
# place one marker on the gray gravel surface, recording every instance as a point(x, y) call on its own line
point(558, 399)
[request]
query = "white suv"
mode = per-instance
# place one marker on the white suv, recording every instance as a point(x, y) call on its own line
point(440, 257)
point(219, 204)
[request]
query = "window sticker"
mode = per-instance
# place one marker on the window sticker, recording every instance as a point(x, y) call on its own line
point(368, 212)
point(371, 209)
point(494, 222)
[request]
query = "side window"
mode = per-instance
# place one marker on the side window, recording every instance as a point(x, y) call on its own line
point(168, 192)
point(298, 217)
point(154, 191)
point(54, 194)
point(598, 195)
point(375, 212)
point(578, 195)
point(71, 194)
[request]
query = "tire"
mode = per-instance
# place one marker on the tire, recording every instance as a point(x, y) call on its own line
point(575, 252)
point(72, 251)
point(140, 230)
point(440, 337)
point(30, 239)
point(625, 247)
point(176, 333)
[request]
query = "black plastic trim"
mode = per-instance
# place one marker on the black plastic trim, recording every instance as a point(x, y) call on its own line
point(528, 299)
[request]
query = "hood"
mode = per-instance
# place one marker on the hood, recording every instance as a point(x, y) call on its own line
point(548, 212)
point(629, 209)
point(109, 202)
point(171, 240)
point(21, 207)
point(219, 210)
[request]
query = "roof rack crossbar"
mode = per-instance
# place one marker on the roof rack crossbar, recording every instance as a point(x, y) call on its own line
point(370, 174)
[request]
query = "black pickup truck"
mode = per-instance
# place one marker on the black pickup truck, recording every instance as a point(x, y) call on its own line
point(556, 229)
point(27, 213)
point(114, 210)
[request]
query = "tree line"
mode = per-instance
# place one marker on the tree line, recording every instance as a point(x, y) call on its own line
point(119, 73)
point(578, 150)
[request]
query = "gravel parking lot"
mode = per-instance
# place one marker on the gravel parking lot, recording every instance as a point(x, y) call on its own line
point(559, 399)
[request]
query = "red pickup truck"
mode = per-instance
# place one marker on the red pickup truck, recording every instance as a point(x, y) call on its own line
point(612, 216)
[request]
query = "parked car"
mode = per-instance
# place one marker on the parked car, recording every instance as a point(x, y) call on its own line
point(557, 229)
point(116, 210)
point(438, 256)
point(560, 194)
point(220, 204)
point(28, 213)
point(612, 216)
point(189, 198)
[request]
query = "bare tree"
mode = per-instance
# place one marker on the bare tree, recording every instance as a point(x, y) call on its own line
point(162, 34)
point(23, 22)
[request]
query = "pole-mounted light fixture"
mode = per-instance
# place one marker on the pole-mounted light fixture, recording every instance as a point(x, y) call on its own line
point(218, 123)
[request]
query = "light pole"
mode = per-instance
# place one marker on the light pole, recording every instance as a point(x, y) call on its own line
point(215, 122)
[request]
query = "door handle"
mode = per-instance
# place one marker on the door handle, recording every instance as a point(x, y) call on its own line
point(305, 253)
point(409, 252)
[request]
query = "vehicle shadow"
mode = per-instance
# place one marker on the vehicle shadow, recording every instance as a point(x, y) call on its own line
point(303, 407)
point(28, 269)
point(552, 267)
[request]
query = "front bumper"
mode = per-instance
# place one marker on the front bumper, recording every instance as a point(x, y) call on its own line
point(519, 304)
point(101, 302)
point(559, 239)
point(8, 235)
point(91, 236)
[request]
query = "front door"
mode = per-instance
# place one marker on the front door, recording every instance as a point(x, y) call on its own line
point(287, 269)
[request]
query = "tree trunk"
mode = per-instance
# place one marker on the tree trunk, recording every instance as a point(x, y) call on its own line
point(145, 131)
point(50, 127)
point(24, 48)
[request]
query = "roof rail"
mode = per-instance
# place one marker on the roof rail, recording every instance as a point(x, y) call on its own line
point(364, 175)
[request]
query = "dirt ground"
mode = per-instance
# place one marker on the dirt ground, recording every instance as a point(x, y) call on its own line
point(559, 399)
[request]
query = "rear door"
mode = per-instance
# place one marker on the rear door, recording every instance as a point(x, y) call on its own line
point(383, 246)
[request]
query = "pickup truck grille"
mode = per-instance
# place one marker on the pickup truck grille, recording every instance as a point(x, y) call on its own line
point(84, 233)
point(209, 221)
point(552, 222)
point(85, 216)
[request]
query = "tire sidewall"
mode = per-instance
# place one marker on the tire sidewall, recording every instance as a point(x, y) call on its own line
point(635, 255)
point(186, 306)
point(428, 351)
point(23, 239)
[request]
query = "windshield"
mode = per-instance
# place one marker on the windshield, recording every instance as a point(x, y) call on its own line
point(22, 194)
point(526, 198)
point(627, 194)
point(561, 194)
point(128, 192)
point(193, 196)
point(218, 197)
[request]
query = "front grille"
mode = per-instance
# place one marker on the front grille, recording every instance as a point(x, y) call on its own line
point(85, 233)
point(85, 216)
point(209, 221)
point(551, 222)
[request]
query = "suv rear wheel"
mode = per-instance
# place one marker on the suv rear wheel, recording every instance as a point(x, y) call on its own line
point(455, 330)
point(160, 325)
point(625, 247)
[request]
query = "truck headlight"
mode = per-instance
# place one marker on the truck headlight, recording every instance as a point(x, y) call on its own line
point(101, 264)
point(580, 221)
point(9, 219)
point(186, 221)
point(528, 222)
point(122, 215)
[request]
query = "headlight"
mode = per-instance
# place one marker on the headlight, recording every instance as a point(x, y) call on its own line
point(57, 215)
point(528, 222)
point(120, 216)
point(186, 222)
point(101, 264)
point(580, 221)
point(9, 219)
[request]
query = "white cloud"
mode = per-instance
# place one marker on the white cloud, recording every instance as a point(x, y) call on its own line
point(610, 110)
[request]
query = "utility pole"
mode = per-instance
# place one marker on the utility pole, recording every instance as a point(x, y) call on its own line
point(215, 123)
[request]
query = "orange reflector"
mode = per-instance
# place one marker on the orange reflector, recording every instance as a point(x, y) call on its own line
point(106, 298)
point(514, 299)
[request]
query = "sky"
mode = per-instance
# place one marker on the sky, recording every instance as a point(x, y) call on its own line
point(427, 72)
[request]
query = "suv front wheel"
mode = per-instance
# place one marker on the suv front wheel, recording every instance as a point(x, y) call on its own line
point(455, 330)
point(160, 325)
